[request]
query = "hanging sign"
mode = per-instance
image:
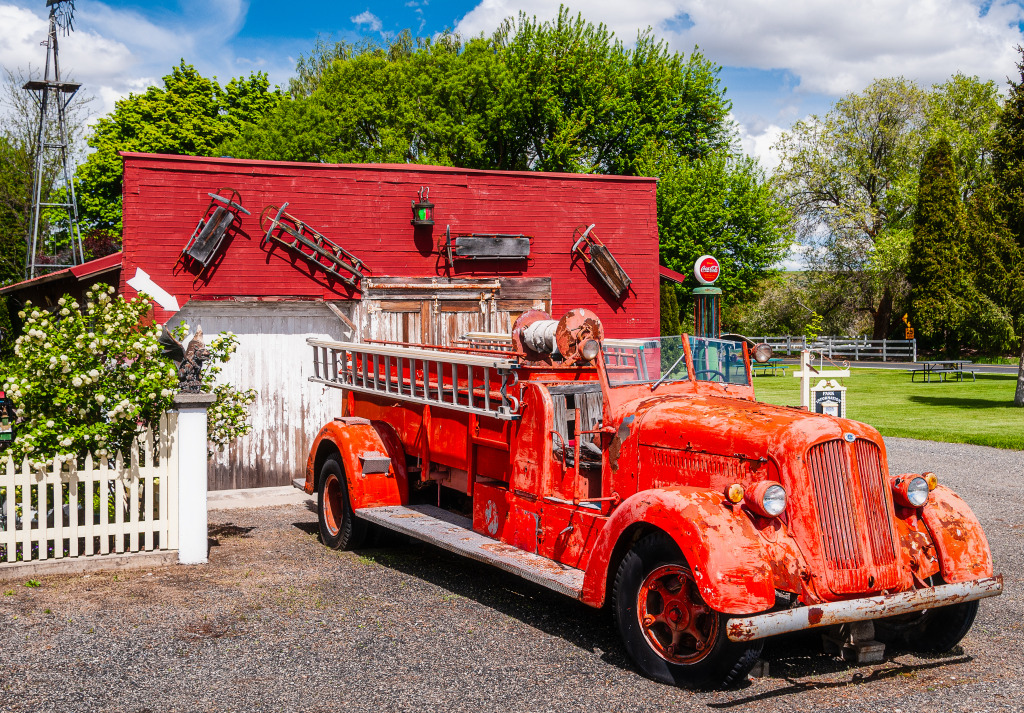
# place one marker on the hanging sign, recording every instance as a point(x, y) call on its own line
point(706, 269)
point(828, 397)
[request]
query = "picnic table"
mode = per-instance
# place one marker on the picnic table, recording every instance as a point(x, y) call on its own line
point(772, 366)
point(951, 368)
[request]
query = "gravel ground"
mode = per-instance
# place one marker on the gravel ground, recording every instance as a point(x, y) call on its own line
point(277, 622)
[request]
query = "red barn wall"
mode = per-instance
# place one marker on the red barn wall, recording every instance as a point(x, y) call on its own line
point(366, 209)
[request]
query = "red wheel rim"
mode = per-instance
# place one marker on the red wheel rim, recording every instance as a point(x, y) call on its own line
point(677, 623)
point(333, 504)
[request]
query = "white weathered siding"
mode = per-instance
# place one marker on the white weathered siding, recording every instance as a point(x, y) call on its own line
point(274, 359)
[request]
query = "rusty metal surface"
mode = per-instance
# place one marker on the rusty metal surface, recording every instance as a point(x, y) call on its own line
point(662, 457)
point(455, 534)
point(842, 612)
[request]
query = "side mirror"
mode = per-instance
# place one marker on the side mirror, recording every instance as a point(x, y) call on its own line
point(762, 353)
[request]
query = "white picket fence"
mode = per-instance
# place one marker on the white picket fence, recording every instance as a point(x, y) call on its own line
point(130, 505)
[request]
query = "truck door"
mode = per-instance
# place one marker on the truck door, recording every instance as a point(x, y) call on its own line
point(567, 529)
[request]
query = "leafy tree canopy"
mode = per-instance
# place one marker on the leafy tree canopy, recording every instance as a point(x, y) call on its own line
point(563, 95)
point(189, 115)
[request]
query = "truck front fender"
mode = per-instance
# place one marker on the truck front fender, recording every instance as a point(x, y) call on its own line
point(961, 544)
point(354, 439)
point(721, 545)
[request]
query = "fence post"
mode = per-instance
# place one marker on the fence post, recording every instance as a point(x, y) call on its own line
point(914, 343)
point(885, 343)
point(192, 483)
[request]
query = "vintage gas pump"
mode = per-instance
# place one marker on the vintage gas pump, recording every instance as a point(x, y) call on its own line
point(707, 299)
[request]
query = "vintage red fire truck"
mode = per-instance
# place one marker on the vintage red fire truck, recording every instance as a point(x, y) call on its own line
point(643, 475)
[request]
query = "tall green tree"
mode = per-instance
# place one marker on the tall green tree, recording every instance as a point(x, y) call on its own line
point(851, 178)
point(936, 266)
point(1008, 170)
point(964, 111)
point(723, 206)
point(563, 95)
point(189, 115)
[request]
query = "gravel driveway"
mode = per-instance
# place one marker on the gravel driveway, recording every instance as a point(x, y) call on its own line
point(277, 622)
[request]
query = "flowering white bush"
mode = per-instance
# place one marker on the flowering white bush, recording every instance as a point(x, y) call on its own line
point(89, 378)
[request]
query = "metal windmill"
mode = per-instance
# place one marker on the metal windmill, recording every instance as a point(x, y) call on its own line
point(53, 95)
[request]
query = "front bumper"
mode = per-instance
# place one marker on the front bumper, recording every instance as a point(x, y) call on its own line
point(760, 626)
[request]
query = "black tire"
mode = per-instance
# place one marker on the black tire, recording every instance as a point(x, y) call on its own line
point(705, 656)
point(340, 529)
point(932, 631)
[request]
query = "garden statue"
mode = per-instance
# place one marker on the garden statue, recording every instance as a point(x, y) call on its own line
point(189, 360)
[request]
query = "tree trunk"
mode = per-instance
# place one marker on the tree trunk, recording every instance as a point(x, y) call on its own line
point(1018, 398)
point(883, 316)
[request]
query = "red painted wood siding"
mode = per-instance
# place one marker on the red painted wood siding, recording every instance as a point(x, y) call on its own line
point(366, 209)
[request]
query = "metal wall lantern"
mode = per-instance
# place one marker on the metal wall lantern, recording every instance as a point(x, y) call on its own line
point(423, 209)
point(8, 417)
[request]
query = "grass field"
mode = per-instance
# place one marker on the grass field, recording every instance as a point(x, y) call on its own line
point(979, 412)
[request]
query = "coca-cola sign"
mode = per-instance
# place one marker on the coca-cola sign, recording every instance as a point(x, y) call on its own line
point(706, 269)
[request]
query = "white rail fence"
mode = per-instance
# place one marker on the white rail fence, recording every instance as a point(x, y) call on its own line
point(856, 347)
point(106, 507)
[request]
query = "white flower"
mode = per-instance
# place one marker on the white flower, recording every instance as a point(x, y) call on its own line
point(76, 382)
point(166, 392)
point(35, 314)
point(66, 369)
point(49, 424)
point(62, 300)
point(53, 360)
point(66, 442)
point(65, 312)
point(131, 377)
point(93, 373)
point(100, 398)
point(110, 289)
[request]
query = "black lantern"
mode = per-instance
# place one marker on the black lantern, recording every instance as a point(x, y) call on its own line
point(7, 419)
point(423, 209)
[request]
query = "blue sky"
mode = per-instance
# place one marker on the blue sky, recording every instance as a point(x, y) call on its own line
point(781, 60)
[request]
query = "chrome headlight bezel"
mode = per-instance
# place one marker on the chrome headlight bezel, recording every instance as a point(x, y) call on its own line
point(910, 490)
point(767, 499)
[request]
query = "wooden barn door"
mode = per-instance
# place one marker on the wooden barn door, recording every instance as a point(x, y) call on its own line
point(442, 311)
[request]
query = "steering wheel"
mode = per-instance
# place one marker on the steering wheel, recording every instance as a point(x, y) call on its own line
point(713, 372)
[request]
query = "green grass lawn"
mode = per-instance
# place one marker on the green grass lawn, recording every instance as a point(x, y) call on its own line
point(979, 412)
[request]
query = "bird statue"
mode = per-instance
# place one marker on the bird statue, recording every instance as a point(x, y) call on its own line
point(188, 359)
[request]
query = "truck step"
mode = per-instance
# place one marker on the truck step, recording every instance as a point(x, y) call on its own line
point(454, 533)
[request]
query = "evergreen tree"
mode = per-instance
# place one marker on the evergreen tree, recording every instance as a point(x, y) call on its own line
point(1008, 169)
point(1008, 156)
point(670, 325)
point(936, 270)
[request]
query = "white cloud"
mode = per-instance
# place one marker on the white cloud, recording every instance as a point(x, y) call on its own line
point(369, 19)
point(758, 143)
point(116, 51)
point(833, 47)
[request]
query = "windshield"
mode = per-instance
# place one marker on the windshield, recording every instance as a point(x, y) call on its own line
point(718, 360)
point(662, 360)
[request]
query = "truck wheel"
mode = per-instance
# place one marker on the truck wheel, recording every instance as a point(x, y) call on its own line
point(339, 528)
point(668, 629)
point(933, 631)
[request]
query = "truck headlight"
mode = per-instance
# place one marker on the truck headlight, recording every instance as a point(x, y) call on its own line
point(910, 490)
point(767, 499)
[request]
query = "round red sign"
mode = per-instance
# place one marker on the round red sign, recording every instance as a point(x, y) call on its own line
point(706, 269)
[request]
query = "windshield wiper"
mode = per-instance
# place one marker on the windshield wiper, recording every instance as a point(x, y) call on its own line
point(657, 383)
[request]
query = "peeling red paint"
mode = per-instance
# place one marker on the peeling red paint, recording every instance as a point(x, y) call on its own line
point(665, 460)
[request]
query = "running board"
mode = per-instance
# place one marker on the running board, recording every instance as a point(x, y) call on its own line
point(454, 533)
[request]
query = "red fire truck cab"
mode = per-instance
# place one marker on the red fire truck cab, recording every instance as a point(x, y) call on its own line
point(642, 474)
